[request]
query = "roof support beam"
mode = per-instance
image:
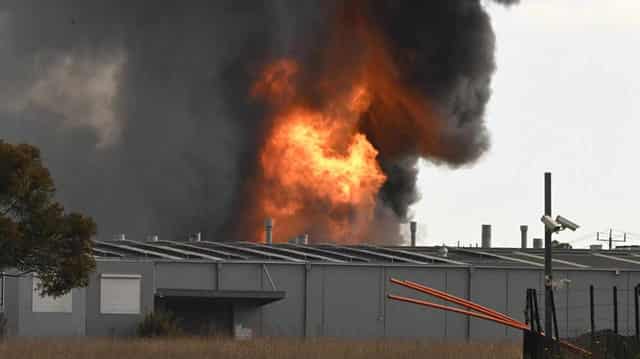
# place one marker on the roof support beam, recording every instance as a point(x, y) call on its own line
point(498, 256)
point(276, 248)
point(573, 264)
point(315, 249)
point(254, 251)
point(374, 253)
point(139, 250)
point(613, 258)
point(420, 255)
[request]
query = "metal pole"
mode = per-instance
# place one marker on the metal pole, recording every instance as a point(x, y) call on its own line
point(592, 311)
point(548, 314)
point(615, 309)
point(555, 318)
point(535, 308)
point(636, 293)
point(413, 227)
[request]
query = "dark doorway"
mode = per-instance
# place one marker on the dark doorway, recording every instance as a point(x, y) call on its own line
point(200, 316)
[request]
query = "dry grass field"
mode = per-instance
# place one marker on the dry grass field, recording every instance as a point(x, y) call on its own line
point(187, 348)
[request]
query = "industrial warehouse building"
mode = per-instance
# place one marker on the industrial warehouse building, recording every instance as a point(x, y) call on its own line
point(295, 290)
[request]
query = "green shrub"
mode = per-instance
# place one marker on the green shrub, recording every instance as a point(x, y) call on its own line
point(159, 324)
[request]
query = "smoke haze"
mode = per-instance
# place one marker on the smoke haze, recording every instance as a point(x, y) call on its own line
point(142, 111)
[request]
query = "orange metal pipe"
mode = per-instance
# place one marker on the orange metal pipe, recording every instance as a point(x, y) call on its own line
point(484, 312)
point(454, 299)
point(512, 324)
point(515, 325)
point(451, 298)
point(462, 302)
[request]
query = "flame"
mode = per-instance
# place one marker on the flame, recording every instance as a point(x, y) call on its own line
point(315, 161)
point(319, 166)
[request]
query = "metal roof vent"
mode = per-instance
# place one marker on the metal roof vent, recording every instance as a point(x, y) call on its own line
point(537, 243)
point(301, 239)
point(443, 251)
point(268, 230)
point(486, 236)
point(120, 237)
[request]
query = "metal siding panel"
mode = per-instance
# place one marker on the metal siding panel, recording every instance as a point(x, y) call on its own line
point(352, 302)
point(38, 324)
point(578, 314)
point(456, 324)
point(118, 324)
point(488, 288)
point(12, 307)
point(185, 275)
point(241, 276)
point(518, 283)
point(286, 317)
point(561, 294)
point(405, 320)
point(315, 301)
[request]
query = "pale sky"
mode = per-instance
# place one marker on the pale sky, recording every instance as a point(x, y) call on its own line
point(566, 99)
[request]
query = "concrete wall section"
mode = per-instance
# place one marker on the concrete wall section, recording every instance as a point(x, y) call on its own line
point(98, 324)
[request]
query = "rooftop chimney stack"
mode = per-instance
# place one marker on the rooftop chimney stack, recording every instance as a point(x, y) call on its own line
point(523, 236)
point(486, 236)
point(413, 226)
point(268, 230)
point(537, 243)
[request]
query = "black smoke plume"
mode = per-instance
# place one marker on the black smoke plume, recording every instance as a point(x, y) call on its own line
point(142, 113)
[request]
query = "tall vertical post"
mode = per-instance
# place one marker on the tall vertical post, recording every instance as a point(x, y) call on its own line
point(610, 238)
point(615, 309)
point(636, 294)
point(413, 226)
point(548, 314)
point(592, 311)
point(268, 230)
point(555, 318)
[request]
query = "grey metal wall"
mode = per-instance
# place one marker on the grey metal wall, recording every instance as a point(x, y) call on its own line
point(11, 305)
point(337, 300)
point(98, 324)
point(49, 324)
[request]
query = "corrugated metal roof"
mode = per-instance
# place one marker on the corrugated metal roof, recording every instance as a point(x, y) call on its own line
point(366, 254)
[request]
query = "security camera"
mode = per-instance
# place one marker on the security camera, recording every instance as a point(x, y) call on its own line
point(551, 224)
point(565, 223)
